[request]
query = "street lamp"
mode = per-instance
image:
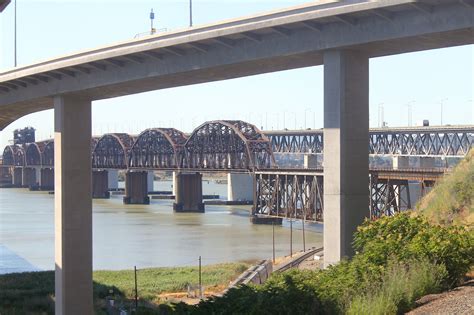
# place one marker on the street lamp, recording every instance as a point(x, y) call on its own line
point(306, 110)
point(409, 107)
point(441, 108)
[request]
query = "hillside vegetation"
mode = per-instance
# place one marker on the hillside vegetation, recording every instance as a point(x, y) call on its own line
point(451, 201)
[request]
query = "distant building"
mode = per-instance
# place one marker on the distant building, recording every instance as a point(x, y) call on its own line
point(25, 135)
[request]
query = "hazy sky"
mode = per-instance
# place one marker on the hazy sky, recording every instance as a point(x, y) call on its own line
point(282, 99)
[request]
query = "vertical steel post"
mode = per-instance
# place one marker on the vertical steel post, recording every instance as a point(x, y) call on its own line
point(200, 279)
point(136, 289)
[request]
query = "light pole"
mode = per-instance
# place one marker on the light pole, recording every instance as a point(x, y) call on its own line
point(190, 13)
point(152, 17)
point(409, 107)
point(15, 34)
point(306, 110)
point(441, 109)
point(381, 115)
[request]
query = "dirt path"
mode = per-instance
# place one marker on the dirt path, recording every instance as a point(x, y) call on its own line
point(457, 301)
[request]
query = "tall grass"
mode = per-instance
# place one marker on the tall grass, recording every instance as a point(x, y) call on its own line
point(451, 201)
point(401, 286)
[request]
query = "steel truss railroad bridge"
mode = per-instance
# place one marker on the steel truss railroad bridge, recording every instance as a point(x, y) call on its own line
point(237, 146)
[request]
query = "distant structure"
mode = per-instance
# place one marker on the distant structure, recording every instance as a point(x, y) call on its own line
point(4, 4)
point(23, 136)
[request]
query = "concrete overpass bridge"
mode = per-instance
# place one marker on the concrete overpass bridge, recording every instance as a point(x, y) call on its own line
point(341, 35)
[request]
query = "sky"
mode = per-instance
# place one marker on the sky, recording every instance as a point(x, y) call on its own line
point(419, 83)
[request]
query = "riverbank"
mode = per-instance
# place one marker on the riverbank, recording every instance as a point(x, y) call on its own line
point(33, 292)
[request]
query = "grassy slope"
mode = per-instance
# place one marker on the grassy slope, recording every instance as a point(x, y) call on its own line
point(32, 293)
point(451, 201)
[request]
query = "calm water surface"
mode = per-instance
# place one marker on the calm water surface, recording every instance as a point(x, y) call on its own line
point(142, 235)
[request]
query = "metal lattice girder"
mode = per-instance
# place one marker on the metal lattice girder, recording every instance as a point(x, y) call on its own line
point(454, 141)
point(227, 144)
point(388, 196)
point(32, 154)
point(158, 148)
point(290, 196)
point(111, 151)
point(13, 155)
point(47, 154)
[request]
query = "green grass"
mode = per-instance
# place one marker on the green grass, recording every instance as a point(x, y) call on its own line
point(451, 201)
point(401, 286)
point(154, 281)
point(33, 292)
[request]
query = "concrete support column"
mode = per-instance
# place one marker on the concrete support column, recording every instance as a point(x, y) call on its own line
point(112, 179)
point(38, 176)
point(174, 182)
point(188, 193)
point(73, 205)
point(28, 177)
point(17, 175)
point(400, 162)
point(427, 162)
point(47, 179)
point(150, 180)
point(346, 158)
point(239, 187)
point(136, 188)
point(100, 184)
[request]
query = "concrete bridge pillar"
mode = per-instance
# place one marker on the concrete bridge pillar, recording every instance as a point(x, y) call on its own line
point(73, 205)
point(112, 179)
point(239, 187)
point(346, 158)
point(17, 175)
point(150, 180)
point(311, 160)
point(100, 184)
point(28, 177)
point(174, 183)
point(188, 193)
point(47, 179)
point(427, 162)
point(38, 175)
point(400, 162)
point(136, 188)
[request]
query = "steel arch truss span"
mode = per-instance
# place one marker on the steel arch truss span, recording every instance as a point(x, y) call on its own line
point(228, 144)
point(158, 148)
point(13, 155)
point(32, 154)
point(111, 151)
point(290, 196)
point(47, 154)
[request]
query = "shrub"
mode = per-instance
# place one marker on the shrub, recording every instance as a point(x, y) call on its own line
point(408, 237)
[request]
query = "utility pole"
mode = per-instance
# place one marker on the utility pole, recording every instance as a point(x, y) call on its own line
point(441, 103)
point(190, 13)
point(291, 237)
point(15, 35)
point(273, 239)
point(200, 279)
point(152, 17)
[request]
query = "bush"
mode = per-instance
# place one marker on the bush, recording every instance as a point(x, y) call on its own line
point(407, 237)
point(398, 260)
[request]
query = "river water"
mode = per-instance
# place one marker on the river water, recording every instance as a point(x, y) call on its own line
point(142, 235)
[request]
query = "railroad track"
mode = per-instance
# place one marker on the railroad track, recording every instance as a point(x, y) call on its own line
point(297, 261)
